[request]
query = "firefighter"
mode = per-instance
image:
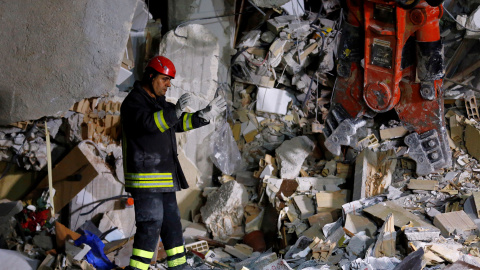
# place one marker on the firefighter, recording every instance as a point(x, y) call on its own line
point(152, 170)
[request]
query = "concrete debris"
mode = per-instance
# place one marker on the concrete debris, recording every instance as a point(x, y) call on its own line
point(355, 224)
point(291, 155)
point(358, 245)
point(223, 211)
point(454, 223)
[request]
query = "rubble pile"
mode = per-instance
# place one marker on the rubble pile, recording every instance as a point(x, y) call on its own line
point(291, 204)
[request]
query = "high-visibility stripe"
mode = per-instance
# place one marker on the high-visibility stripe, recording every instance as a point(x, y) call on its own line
point(124, 151)
point(175, 250)
point(148, 176)
point(142, 253)
point(177, 262)
point(139, 265)
point(160, 121)
point(187, 122)
point(148, 184)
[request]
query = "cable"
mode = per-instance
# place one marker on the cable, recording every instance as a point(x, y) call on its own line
point(453, 18)
point(100, 202)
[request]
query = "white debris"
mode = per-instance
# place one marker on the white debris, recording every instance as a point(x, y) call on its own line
point(224, 209)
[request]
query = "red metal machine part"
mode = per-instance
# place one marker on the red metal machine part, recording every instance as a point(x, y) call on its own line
point(402, 70)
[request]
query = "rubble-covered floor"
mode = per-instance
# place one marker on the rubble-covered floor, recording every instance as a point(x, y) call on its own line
point(280, 199)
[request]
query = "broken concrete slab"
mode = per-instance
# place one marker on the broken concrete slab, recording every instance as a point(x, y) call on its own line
point(193, 231)
point(323, 218)
point(90, 42)
point(223, 210)
point(319, 183)
point(457, 222)
point(421, 234)
point(450, 255)
point(304, 205)
point(358, 245)
point(402, 216)
point(291, 155)
point(357, 223)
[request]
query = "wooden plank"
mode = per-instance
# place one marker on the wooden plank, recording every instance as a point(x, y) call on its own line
point(454, 223)
point(328, 201)
point(70, 176)
point(423, 184)
point(476, 199)
point(401, 216)
point(392, 133)
point(472, 137)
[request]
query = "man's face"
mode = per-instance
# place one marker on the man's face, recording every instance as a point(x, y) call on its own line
point(160, 84)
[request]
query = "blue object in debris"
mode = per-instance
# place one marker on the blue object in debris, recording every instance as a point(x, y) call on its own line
point(95, 256)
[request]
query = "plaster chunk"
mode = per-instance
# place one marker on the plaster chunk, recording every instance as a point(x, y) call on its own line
point(224, 209)
point(291, 155)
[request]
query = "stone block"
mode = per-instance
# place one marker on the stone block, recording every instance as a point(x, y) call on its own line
point(304, 205)
point(291, 155)
point(224, 209)
point(457, 222)
point(357, 223)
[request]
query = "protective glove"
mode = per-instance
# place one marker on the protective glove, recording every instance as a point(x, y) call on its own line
point(182, 103)
point(214, 108)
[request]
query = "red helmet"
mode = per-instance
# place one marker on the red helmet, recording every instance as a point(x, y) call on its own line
point(163, 65)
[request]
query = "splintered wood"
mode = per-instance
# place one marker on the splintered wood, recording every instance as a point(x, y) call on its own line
point(385, 246)
point(321, 250)
point(373, 173)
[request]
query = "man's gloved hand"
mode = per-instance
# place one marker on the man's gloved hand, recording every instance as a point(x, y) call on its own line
point(214, 108)
point(182, 103)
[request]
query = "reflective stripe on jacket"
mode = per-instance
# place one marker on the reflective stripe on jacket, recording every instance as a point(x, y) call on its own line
point(149, 145)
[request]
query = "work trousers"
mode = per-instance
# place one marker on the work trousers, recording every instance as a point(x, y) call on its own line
point(157, 214)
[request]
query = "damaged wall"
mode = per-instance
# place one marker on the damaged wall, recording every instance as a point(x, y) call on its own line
point(200, 62)
point(59, 53)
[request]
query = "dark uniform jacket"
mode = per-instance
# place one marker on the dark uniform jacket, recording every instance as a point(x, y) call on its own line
point(149, 145)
